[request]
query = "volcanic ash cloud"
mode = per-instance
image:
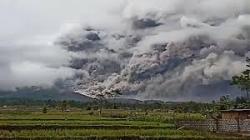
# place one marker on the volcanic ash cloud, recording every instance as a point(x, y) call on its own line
point(163, 50)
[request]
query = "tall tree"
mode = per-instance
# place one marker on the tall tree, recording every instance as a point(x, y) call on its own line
point(64, 105)
point(102, 96)
point(243, 80)
point(45, 109)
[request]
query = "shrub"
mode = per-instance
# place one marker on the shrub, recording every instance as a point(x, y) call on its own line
point(45, 110)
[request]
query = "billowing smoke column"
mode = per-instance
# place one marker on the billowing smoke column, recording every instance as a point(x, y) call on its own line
point(167, 49)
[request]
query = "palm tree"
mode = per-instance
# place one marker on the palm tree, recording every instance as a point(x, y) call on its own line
point(242, 81)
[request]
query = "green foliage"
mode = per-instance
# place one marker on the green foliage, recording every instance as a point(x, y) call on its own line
point(45, 110)
point(64, 105)
point(135, 125)
point(181, 107)
point(147, 106)
point(241, 103)
point(243, 80)
point(88, 108)
point(225, 103)
point(165, 134)
point(101, 98)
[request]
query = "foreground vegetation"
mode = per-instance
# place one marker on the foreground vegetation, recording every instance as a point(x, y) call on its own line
point(19, 123)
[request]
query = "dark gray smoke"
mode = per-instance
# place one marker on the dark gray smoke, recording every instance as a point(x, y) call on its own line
point(144, 23)
point(186, 52)
point(154, 49)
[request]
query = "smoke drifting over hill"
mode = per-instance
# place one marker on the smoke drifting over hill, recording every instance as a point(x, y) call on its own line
point(154, 49)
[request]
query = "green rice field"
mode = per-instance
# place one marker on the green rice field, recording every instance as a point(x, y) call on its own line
point(112, 124)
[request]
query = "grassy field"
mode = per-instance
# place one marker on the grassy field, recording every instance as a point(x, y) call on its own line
point(113, 124)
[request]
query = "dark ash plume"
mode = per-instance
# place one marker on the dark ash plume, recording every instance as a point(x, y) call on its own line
point(176, 55)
